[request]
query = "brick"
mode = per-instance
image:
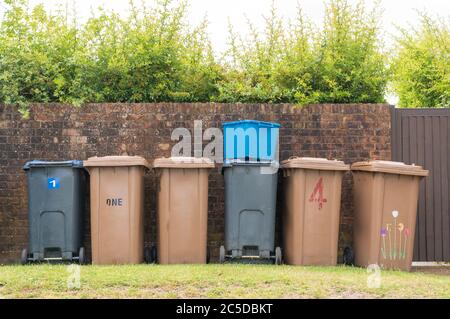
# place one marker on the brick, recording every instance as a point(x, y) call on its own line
point(348, 132)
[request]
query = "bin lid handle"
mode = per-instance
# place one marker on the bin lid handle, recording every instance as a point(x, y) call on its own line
point(37, 163)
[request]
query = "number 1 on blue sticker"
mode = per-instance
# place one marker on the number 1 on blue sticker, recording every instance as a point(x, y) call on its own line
point(53, 183)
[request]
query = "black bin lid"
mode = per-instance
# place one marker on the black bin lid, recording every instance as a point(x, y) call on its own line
point(36, 163)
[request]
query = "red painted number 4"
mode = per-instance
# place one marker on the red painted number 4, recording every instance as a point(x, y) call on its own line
point(317, 194)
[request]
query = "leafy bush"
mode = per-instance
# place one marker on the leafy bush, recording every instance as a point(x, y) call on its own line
point(152, 55)
point(341, 62)
point(351, 65)
point(274, 68)
point(422, 65)
point(34, 50)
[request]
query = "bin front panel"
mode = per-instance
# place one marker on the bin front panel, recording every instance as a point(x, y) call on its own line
point(385, 219)
point(399, 221)
point(117, 214)
point(52, 232)
point(311, 218)
point(250, 204)
point(250, 224)
point(56, 203)
point(182, 216)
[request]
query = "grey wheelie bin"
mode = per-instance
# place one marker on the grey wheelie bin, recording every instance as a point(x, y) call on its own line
point(250, 204)
point(56, 202)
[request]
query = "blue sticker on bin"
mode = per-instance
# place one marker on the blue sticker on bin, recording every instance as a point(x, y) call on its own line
point(53, 183)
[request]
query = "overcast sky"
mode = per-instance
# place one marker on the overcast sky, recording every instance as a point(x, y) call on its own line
point(395, 13)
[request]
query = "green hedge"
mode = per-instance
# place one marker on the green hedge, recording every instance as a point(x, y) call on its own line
point(340, 62)
point(151, 56)
point(155, 55)
point(421, 65)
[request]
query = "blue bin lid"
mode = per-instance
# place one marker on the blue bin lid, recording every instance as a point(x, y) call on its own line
point(261, 123)
point(36, 163)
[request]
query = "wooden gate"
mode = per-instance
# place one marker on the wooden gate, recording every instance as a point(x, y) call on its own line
point(422, 136)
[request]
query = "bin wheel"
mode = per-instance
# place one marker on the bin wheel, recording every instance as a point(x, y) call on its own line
point(278, 258)
point(147, 255)
point(153, 254)
point(81, 256)
point(349, 256)
point(222, 254)
point(24, 257)
point(150, 255)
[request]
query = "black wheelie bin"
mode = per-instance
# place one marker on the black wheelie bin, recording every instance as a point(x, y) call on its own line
point(56, 203)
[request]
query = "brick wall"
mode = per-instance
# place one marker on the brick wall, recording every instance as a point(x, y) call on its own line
point(346, 132)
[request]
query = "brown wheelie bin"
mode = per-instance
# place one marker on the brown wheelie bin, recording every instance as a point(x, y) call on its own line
point(385, 197)
point(117, 204)
point(312, 189)
point(182, 209)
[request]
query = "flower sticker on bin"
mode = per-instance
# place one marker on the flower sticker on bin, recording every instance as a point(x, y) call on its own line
point(384, 233)
point(397, 242)
point(53, 183)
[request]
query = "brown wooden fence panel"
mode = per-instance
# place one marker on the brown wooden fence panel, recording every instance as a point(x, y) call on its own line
point(422, 137)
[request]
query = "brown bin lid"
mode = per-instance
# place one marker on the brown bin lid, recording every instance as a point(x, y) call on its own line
point(183, 162)
point(315, 163)
point(110, 161)
point(389, 167)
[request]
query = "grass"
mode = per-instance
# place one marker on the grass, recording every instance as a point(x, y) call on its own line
point(216, 281)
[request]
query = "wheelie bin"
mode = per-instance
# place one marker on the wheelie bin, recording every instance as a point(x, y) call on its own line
point(56, 205)
point(385, 198)
point(250, 205)
point(312, 201)
point(117, 205)
point(182, 214)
